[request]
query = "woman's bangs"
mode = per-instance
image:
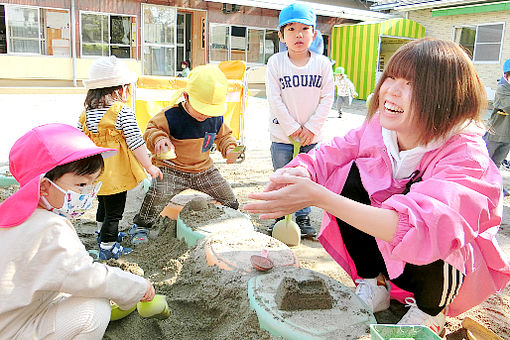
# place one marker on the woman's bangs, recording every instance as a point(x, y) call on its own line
point(402, 65)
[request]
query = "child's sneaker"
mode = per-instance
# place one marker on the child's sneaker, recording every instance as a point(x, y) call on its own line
point(306, 228)
point(271, 227)
point(505, 164)
point(138, 235)
point(120, 236)
point(114, 252)
point(377, 297)
point(415, 316)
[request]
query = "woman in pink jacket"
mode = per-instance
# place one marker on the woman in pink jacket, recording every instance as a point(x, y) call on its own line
point(412, 200)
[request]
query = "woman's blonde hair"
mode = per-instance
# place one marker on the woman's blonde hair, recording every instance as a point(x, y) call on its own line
point(446, 90)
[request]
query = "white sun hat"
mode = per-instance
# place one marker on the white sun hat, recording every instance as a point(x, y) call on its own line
point(108, 72)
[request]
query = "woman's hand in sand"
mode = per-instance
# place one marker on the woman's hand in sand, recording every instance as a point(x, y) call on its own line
point(149, 293)
point(285, 194)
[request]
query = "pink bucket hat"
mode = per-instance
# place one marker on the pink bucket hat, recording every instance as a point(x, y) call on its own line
point(34, 154)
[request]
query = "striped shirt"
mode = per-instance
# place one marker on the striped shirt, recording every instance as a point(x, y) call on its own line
point(126, 122)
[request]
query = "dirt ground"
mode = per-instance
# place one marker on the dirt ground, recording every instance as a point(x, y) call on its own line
point(210, 303)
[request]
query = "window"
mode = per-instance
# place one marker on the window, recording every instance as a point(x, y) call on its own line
point(488, 42)
point(238, 43)
point(253, 45)
point(465, 36)
point(3, 31)
point(482, 41)
point(255, 48)
point(159, 40)
point(105, 34)
point(271, 44)
point(33, 30)
point(219, 42)
point(183, 39)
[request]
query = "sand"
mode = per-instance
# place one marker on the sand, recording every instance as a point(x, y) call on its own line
point(202, 298)
point(209, 303)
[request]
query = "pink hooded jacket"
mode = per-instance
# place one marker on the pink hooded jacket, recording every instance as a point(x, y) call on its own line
point(453, 214)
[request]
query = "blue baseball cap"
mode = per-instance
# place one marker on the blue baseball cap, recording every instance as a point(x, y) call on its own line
point(297, 12)
point(506, 66)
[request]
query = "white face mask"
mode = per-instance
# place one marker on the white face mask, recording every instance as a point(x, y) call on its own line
point(75, 204)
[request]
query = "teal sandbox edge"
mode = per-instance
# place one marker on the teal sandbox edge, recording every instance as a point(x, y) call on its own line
point(269, 323)
point(190, 236)
point(5, 181)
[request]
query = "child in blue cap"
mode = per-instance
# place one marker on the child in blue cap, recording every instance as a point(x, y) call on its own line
point(300, 92)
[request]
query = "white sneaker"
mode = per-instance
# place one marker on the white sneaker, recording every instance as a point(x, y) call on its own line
point(376, 297)
point(415, 316)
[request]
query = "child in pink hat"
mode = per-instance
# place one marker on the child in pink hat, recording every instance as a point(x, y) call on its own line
point(49, 285)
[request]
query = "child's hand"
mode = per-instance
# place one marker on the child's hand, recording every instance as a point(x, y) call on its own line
point(155, 172)
point(296, 135)
point(163, 145)
point(234, 153)
point(149, 293)
point(306, 136)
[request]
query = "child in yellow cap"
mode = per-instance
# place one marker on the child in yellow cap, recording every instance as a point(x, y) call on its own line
point(181, 137)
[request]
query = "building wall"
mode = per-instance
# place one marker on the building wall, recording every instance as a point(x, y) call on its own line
point(52, 70)
point(442, 27)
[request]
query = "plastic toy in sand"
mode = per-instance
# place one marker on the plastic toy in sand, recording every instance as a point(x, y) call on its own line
point(235, 251)
point(117, 313)
point(261, 262)
point(156, 308)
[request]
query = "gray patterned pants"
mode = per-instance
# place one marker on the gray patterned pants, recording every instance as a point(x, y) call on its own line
point(174, 181)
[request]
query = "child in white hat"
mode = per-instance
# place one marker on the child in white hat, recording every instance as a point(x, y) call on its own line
point(111, 123)
point(49, 286)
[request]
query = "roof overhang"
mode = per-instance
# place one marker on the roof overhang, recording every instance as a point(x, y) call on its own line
point(320, 9)
point(472, 9)
point(425, 4)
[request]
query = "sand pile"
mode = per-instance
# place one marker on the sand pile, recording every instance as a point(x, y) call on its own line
point(206, 302)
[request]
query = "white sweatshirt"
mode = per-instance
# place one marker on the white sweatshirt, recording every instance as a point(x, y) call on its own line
point(42, 258)
point(298, 95)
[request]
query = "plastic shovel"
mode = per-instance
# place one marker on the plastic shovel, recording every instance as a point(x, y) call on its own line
point(287, 230)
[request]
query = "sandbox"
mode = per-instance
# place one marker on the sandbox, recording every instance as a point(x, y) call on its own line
point(348, 318)
point(199, 219)
point(232, 251)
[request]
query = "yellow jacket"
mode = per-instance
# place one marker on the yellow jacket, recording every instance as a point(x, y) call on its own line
point(122, 172)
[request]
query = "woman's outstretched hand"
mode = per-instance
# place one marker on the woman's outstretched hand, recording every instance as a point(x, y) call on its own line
point(289, 190)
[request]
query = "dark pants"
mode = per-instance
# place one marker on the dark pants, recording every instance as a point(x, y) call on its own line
point(174, 181)
point(109, 211)
point(434, 285)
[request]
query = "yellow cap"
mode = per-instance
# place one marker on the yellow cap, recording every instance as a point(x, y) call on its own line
point(207, 89)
